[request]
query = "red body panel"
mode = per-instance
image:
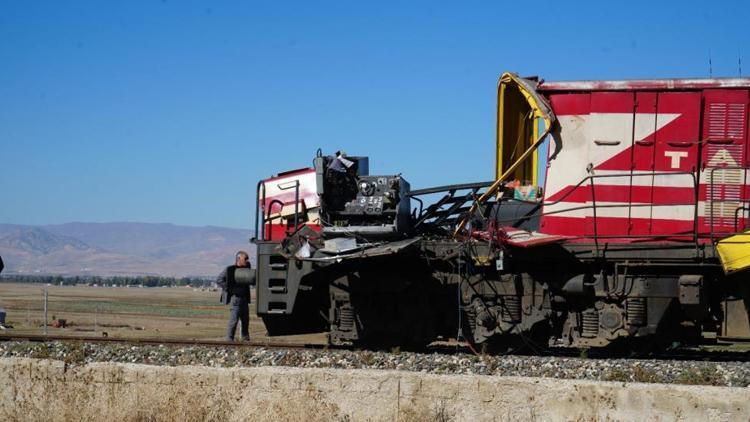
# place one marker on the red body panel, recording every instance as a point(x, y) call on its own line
point(646, 160)
point(277, 202)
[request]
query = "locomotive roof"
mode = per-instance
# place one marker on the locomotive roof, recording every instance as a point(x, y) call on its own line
point(644, 84)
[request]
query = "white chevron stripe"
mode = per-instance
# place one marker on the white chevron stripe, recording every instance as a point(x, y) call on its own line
point(622, 210)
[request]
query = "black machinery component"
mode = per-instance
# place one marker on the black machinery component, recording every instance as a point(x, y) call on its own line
point(354, 203)
point(289, 293)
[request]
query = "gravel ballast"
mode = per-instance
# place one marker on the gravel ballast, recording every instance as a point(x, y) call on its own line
point(733, 374)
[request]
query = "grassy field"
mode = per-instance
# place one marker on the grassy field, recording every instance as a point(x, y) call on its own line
point(137, 313)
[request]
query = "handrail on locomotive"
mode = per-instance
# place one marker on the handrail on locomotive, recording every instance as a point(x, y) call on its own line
point(433, 209)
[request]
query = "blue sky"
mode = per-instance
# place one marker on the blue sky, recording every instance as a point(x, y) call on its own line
point(171, 111)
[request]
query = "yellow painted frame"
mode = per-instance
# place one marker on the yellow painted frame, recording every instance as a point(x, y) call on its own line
point(500, 131)
point(734, 252)
point(540, 110)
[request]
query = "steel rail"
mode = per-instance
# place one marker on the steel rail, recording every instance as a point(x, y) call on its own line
point(685, 354)
point(163, 341)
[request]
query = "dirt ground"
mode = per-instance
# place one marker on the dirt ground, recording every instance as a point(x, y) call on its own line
point(126, 312)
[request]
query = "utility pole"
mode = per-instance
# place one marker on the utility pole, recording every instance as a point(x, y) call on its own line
point(46, 296)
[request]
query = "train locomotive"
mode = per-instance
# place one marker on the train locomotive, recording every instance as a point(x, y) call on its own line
point(617, 218)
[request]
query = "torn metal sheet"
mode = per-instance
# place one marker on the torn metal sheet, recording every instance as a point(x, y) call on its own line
point(526, 239)
point(389, 248)
point(512, 236)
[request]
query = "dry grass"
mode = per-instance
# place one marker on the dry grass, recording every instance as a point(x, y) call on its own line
point(49, 399)
point(436, 412)
point(68, 403)
point(134, 313)
point(708, 375)
point(636, 374)
point(311, 406)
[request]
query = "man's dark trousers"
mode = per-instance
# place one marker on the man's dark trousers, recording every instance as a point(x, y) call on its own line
point(239, 312)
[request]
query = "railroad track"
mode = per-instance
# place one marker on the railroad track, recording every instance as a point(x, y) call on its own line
point(160, 341)
point(456, 348)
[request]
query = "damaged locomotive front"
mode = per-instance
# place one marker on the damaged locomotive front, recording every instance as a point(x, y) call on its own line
point(612, 221)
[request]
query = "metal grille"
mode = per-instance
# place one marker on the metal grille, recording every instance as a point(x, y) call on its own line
point(725, 194)
point(726, 121)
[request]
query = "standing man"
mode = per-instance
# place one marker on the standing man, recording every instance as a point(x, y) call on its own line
point(235, 282)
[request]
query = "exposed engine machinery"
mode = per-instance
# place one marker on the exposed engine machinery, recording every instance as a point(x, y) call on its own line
point(616, 219)
point(356, 203)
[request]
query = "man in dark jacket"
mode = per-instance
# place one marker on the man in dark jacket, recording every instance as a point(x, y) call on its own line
point(235, 282)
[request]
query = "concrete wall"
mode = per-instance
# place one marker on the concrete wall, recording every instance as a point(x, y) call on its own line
point(48, 390)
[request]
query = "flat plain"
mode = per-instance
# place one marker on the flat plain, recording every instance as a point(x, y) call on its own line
point(126, 312)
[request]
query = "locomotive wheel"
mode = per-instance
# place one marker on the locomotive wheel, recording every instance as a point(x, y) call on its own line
point(533, 342)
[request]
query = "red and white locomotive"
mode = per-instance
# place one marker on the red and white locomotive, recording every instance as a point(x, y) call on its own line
point(616, 219)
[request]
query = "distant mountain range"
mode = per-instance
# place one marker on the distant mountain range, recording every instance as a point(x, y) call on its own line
point(120, 249)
